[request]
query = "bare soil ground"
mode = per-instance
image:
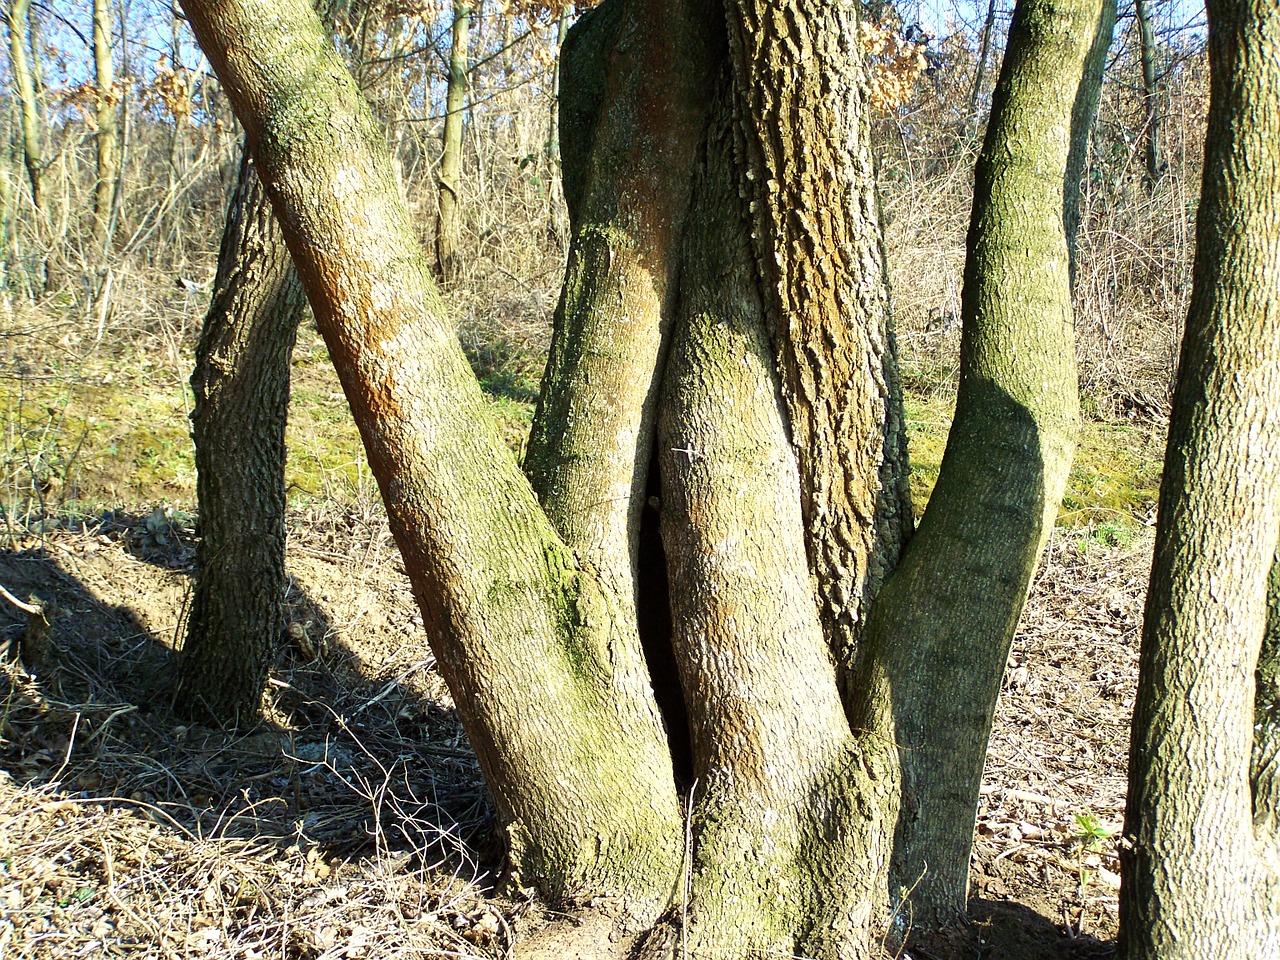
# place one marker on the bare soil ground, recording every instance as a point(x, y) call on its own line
point(353, 823)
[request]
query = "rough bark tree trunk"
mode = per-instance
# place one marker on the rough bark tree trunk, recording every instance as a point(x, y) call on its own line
point(448, 226)
point(947, 615)
point(241, 389)
point(1194, 823)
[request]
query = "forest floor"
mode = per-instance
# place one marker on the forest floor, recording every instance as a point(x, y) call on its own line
point(353, 822)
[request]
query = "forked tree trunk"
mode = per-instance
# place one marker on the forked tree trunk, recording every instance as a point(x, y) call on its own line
point(448, 225)
point(947, 616)
point(1194, 823)
point(241, 389)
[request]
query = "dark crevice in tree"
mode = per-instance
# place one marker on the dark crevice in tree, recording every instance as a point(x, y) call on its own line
point(653, 617)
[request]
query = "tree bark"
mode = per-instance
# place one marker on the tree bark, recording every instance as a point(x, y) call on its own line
point(108, 135)
point(241, 389)
point(1201, 875)
point(524, 634)
point(448, 226)
point(809, 171)
point(946, 618)
point(793, 810)
point(627, 180)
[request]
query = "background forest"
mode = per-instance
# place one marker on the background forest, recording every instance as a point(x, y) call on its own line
point(354, 823)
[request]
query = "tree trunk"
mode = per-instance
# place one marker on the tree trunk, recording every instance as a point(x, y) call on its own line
point(801, 80)
point(1083, 114)
point(241, 388)
point(24, 88)
point(448, 227)
point(1201, 874)
point(108, 135)
point(793, 809)
point(947, 616)
point(526, 636)
point(1156, 166)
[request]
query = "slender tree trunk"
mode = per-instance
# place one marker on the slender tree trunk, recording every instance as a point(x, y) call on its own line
point(1202, 862)
point(948, 614)
point(448, 227)
point(108, 135)
point(241, 389)
point(1154, 154)
point(24, 88)
point(1083, 114)
point(984, 57)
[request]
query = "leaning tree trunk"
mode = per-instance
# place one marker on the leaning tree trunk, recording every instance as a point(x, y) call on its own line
point(947, 616)
point(241, 389)
point(448, 224)
point(527, 636)
point(1202, 850)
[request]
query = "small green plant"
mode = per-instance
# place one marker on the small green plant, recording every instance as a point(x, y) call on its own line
point(1090, 831)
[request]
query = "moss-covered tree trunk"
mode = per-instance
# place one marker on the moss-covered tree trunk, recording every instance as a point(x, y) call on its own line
point(946, 618)
point(1202, 862)
point(241, 388)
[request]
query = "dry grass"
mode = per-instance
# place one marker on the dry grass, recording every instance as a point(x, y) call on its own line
point(353, 822)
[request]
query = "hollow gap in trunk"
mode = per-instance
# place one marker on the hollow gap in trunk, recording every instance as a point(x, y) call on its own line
point(653, 616)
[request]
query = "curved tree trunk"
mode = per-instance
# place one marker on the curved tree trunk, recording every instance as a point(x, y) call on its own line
point(241, 388)
point(793, 809)
point(946, 618)
point(1194, 822)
